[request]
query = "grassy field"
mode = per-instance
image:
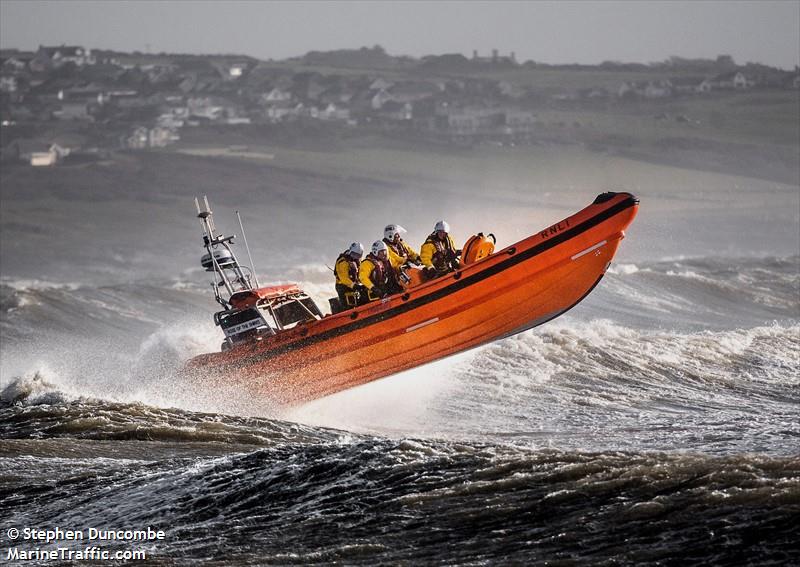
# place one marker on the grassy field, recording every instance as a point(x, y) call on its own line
point(760, 117)
point(752, 118)
point(551, 80)
point(754, 134)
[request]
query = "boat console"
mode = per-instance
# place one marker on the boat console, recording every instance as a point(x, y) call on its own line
point(250, 312)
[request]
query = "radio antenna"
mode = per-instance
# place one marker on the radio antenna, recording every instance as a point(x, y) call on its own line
point(247, 247)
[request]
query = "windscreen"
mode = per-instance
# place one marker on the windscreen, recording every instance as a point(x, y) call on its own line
point(296, 311)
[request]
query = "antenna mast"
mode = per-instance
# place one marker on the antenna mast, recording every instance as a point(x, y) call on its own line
point(247, 247)
point(220, 257)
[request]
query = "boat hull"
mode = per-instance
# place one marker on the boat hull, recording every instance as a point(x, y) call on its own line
point(517, 288)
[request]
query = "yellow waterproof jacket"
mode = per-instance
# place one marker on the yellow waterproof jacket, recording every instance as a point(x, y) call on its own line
point(400, 253)
point(346, 270)
point(434, 249)
point(365, 272)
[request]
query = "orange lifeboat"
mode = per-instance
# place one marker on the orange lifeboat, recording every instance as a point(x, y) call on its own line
point(491, 296)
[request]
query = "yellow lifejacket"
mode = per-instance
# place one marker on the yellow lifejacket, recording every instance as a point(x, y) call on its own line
point(441, 255)
point(400, 253)
point(373, 271)
point(346, 270)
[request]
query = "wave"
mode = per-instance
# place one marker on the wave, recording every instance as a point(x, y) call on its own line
point(597, 384)
point(372, 501)
point(700, 293)
point(580, 385)
point(657, 349)
point(716, 292)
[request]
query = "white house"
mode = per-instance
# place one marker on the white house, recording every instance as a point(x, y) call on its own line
point(731, 80)
point(658, 89)
point(8, 84)
point(645, 89)
point(380, 84)
point(689, 85)
point(332, 112)
point(276, 95)
point(60, 55)
point(160, 137)
point(236, 70)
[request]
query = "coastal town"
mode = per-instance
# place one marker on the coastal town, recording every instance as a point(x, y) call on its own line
point(67, 103)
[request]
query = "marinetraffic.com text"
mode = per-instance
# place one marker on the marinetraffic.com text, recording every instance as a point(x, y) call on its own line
point(61, 544)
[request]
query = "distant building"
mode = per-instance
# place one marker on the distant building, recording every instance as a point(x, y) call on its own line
point(35, 152)
point(284, 111)
point(8, 84)
point(333, 112)
point(731, 80)
point(47, 57)
point(645, 89)
point(380, 98)
point(276, 95)
point(73, 111)
point(380, 84)
point(138, 139)
point(210, 108)
point(160, 137)
point(143, 137)
point(397, 111)
point(405, 92)
point(658, 89)
point(236, 70)
point(471, 121)
point(17, 61)
point(495, 59)
point(690, 85)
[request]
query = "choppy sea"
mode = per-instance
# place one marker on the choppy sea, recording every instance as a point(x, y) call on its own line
point(656, 423)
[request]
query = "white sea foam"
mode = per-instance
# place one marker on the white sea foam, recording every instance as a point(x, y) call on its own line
point(38, 285)
point(393, 406)
point(39, 386)
point(623, 269)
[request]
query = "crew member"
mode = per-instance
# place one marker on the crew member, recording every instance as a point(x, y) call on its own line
point(399, 250)
point(376, 274)
point(438, 254)
point(346, 270)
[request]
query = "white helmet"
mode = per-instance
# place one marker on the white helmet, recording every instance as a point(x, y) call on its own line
point(441, 225)
point(377, 246)
point(393, 230)
point(356, 248)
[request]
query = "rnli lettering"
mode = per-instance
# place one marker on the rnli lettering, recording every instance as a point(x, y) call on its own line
point(555, 229)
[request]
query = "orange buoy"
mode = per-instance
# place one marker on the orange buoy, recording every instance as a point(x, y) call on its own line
point(476, 248)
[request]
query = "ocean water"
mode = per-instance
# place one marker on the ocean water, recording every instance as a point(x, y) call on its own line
point(657, 423)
